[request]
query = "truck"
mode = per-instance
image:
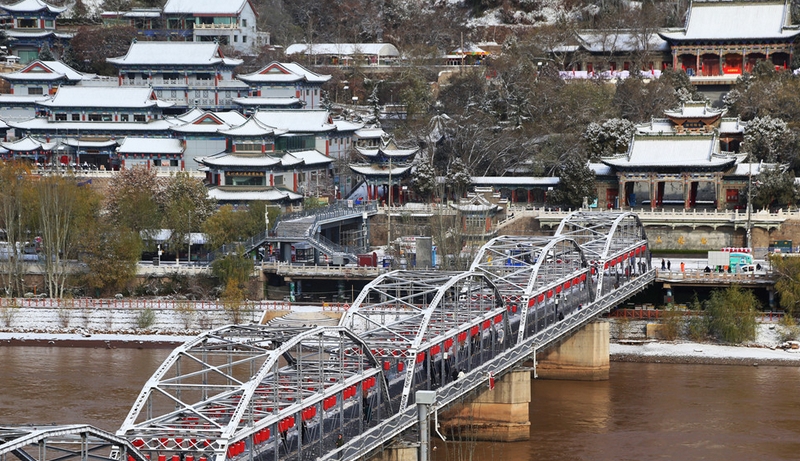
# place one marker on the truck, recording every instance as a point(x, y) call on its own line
point(718, 260)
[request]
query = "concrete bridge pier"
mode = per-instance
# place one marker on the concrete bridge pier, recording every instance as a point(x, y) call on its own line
point(582, 357)
point(499, 414)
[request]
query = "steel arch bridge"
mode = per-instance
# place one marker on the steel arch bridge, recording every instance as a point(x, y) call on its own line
point(255, 392)
point(252, 392)
point(64, 443)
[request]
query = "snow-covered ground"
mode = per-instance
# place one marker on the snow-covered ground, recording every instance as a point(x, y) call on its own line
point(765, 349)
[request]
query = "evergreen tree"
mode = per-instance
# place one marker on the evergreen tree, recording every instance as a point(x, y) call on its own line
point(577, 183)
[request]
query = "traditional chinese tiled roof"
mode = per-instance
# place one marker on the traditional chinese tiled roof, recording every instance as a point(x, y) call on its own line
point(380, 170)
point(297, 121)
point(133, 145)
point(26, 6)
point(672, 152)
point(102, 96)
point(283, 72)
point(205, 7)
point(174, 54)
point(47, 70)
point(735, 20)
point(388, 150)
point(272, 194)
point(27, 144)
point(343, 49)
point(621, 41)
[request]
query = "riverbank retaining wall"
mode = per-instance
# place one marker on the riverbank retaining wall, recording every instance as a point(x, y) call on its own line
point(185, 319)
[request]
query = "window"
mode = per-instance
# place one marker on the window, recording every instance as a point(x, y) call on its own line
point(123, 117)
point(248, 147)
point(278, 180)
point(138, 118)
point(61, 117)
point(173, 24)
point(94, 117)
point(26, 23)
point(245, 179)
point(48, 24)
point(244, 38)
point(244, 22)
point(235, 39)
point(76, 117)
point(35, 90)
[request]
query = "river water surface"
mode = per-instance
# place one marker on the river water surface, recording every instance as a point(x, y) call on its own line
point(643, 412)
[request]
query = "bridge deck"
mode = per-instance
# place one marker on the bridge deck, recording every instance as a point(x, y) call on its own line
point(247, 392)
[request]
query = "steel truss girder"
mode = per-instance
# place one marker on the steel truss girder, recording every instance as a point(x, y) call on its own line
point(605, 235)
point(269, 373)
point(500, 365)
point(394, 325)
point(72, 442)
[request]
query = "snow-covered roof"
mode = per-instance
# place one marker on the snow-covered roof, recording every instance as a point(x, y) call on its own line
point(343, 49)
point(747, 169)
point(252, 127)
point(36, 33)
point(732, 125)
point(346, 125)
point(255, 101)
point(515, 181)
point(379, 170)
point(283, 72)
point(205, 7)
point(7, 100)
point(27, 144)
point(620, 41)
point(306, 157)
point(47, 70)
point(42, 124)
point(695, 109)
point(266, 195)
point(672, 152)
point(733, 20)
point(32, 5)
point(78, 143)
point(601, 169)
point(296, 121)
point(656, 126)
point(174, 54)
point(312, 157)
point(134, 145)
point(370, 132)
point(102, 96)
point(388, 149)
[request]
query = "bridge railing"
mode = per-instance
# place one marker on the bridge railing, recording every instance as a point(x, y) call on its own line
point(478, 376)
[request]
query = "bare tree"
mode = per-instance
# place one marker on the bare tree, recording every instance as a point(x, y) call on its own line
point(12, 211)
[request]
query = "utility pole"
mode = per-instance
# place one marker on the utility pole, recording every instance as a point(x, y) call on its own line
point(749, 235)
point(389, 209)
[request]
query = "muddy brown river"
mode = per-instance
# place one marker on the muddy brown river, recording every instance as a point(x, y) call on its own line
point(643, 412)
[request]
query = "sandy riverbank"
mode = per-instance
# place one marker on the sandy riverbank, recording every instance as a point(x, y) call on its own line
point(762, 351)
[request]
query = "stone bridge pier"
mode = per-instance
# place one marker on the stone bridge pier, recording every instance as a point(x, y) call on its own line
point(581, 357)
point(502, 414)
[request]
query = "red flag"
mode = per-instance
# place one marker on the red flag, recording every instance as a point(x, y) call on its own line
point(491, 380)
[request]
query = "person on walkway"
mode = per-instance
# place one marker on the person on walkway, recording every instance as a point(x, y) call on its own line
point(663, 264)
point(683, 267)
point(669, 266)
point(339, 443)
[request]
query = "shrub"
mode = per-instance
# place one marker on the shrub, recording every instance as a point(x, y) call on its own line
point(788, 329)
point(671, 323)
point(8, 312)
point(145, 319)
point(732, 314)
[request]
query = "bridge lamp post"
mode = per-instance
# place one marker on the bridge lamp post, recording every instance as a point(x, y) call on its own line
point(424, 401)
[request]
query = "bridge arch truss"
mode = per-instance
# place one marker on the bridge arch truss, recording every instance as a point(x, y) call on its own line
point(244, 392)
point(427, 326)
point(64, 443)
